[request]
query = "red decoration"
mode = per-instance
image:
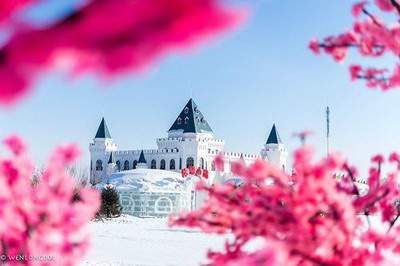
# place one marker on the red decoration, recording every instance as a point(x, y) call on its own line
point(192, 170)
point(199, 172)
point(205, 173)
point(196, 171)
point(185, 172)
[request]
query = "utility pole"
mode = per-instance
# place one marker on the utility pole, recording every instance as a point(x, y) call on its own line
point(328, 112)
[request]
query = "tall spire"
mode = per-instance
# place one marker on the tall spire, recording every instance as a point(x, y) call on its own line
point(191, 120)
point(102, 131)
point(273, 137)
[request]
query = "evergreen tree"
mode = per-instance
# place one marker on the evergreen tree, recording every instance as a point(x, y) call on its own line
point(110, 206)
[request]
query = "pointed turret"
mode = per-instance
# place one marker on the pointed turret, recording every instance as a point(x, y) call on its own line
point(273, 137)
point(102, 154)
point(191, 120)
point(141, 158)
point(111, 166)
point(111, 159)
point(102, 131)
point(274, 150)
point(142, 163)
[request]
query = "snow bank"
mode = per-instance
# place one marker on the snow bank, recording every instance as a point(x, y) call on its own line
point(137, 241)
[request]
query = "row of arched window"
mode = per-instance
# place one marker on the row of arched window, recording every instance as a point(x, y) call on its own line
point(153, 164)
point(163, 164)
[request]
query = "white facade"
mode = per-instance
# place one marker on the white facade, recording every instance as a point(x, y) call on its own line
point(190, 142)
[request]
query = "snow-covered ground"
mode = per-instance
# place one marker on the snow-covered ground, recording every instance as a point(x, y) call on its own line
point(147, 242)
point(150, 242)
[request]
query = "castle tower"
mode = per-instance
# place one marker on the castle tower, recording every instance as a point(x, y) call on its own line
point(100, 153)
point(274, 150)
point(192, 136)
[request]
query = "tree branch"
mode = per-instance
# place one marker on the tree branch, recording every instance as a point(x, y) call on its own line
point(372, 17)
point(396, 5)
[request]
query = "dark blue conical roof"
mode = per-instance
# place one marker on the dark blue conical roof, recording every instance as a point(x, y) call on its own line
point(273, 137)
point(111, 159)
point(141, 158)
point(191, 120)
point(102, 131)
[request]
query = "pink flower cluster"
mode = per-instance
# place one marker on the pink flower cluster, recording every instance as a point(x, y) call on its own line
point(8, 7)
point(308, 218)
point(109, 37)
point(371, 36)
point(43, 220)
point(197, 171)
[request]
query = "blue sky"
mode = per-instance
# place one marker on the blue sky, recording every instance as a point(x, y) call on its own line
point(243, 83)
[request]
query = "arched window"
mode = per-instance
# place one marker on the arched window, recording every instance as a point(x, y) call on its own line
point(163, 205)
point(126, 165)
point(99, 165)
point(118, 163)
point(127, 204)
point(134, 164)
point(153, 164)
point(186, 120)
point(189, 162)
point(212, 166)
point(202, 164)
point(172, 164)
point(179, 120)
point(91, 165)
point(162, 164)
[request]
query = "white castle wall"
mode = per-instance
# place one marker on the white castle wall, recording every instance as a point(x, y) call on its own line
point(276, 154)
point(201, 149)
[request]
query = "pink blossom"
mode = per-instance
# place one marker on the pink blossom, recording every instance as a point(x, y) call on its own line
point(339, 54)
point(358, 8)
point(378, 159)
point(309, 218)
point(385, 5)
point(66, 154)
point(8, 7)
point(355, 71)
point(373, 37)
point(141, 33)
point(43, 218)
point(238, 168)
point(219, 162)
point(314, 46)
point(394, 157)
point(15, 144)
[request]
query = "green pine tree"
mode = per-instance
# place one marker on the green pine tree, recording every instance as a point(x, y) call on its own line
point(110, 207)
